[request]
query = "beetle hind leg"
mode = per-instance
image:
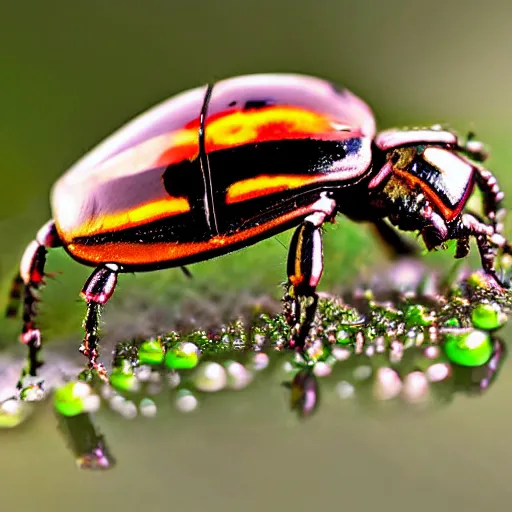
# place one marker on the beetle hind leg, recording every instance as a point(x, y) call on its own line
point(305, 267)
point(25, 288)
point(97, 291)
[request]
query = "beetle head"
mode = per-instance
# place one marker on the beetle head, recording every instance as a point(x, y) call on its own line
point(424, 181)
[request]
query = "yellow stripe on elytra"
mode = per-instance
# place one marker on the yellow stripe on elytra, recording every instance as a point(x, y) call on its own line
point(241, 126)
point(263, 185)
point(133, 217)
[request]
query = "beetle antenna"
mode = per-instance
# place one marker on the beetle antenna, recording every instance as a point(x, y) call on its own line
point(280, 242)
point(187, 272)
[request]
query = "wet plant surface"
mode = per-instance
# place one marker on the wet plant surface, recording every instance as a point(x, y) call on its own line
point(414, 343)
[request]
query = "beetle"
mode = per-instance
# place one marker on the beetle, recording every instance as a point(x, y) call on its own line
point(223, 166)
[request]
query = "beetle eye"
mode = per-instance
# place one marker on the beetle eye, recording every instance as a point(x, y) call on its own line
point(395, 156)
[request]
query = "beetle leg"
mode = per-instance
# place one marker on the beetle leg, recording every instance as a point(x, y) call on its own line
point(492, 197)
point(31, 278)
point(484, 235)
point(398, 244)
point(97, 291)
point(474, 149)
point(305, 267)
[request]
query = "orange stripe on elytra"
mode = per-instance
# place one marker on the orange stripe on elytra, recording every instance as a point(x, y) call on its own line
point(264, 185)
point(127, 253)
point(239, 127)
point(137, 216)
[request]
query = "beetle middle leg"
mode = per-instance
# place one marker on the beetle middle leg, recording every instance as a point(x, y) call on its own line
point(398, 245)
point(492, 197)
point(305, 268)
point(97, 291)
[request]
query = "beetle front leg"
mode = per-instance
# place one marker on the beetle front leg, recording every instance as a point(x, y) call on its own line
point(484, 235)
point(26, 285)
point(97, 291)
point(492, 197)
point(305, 267)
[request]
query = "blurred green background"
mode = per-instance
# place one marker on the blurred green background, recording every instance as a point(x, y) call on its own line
point(71, 73)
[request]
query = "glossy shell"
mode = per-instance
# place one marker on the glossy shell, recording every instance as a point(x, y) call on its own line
point(212, 170)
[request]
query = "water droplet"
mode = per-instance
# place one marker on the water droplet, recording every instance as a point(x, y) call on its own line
point(151, 352)
point(260, 361)
point(91, 403)
point(147, 408)
point(186, 401)
point(416, 388)
point(438, 372)
point(182, 356)
point(143, 373)
point(128, 410)
point(468, 348)
point(488, 316)
point(239, 376)
point(210, 377)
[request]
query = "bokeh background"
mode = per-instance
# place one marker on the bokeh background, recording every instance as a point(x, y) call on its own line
point(71, 73)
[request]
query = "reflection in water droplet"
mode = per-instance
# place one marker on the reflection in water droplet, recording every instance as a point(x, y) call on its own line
point(387, 384)
point(174, 379)
point(345, 390)
point(128, 410)
point(186, 401)
point(362, 372)
point(416, 388)
point(304, 393)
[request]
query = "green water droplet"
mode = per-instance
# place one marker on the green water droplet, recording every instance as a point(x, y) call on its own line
point(488, 316)
point(151, 352)
point(13, 412)
point(472, 348)
point(343, 337)
point(123, 378)
point(182, 356)
point(68, 400)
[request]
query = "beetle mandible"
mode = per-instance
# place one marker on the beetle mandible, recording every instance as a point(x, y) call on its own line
point(224, 166)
